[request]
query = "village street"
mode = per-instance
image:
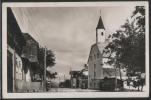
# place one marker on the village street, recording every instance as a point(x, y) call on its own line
point(38, 62)
point(71, 90)
point(126, 89)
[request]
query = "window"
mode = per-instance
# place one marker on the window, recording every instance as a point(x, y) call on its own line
point(94, 70)
point(94, 56)
point(101, 33)
point(97, 55)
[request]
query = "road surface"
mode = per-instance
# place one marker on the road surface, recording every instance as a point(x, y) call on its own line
point(71, 90)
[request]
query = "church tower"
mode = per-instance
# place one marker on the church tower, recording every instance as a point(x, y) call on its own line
point(100, 32)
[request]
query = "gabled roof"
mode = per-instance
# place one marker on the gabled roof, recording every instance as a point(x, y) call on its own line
point(111, 71)
point(27, 36)
point(14, 32)
point(99, 46)
point(100, 24)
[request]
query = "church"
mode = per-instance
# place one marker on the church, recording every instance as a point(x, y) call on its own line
point(97, 68)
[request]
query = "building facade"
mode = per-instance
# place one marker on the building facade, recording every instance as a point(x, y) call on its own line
point(15, 43)
point(30, 50)
point(97, 68)
point(83, 78)
point(31, 63)
point(22, 52)
point(74, 79)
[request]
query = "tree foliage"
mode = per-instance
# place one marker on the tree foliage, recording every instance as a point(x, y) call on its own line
point(51, 75)
point(50, 58)
point(127, 48)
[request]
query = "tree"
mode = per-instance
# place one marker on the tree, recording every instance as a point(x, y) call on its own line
point(128, 43)
point(50, 59)
point(51, 75)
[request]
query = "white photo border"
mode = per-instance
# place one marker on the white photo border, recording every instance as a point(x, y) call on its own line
point(71, 94)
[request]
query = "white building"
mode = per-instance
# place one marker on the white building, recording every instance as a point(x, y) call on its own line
point(97, 67)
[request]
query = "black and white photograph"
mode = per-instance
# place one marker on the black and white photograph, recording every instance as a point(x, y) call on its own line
point(72, 50)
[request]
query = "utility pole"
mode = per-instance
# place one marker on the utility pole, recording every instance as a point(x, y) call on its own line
point(59, 79)
point(119, 67)
point(115, 78)
point(14, 67)
point(44, 84)
point(14, 71)
point(70, 78)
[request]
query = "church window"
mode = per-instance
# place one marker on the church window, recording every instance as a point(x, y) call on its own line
point(94, 70)
point(101, 33)
point(97, 55)
point(94, 56)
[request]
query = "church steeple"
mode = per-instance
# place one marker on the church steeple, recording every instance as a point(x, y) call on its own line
point(100, 24)
point(100, 31)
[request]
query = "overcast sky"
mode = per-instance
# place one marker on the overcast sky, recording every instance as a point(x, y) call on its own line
point(69, 31)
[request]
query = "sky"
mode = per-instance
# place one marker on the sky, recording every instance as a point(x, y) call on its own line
point(69, 31)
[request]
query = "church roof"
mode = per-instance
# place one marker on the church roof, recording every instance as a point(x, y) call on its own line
point(100, 47)
point(110, 71)
point(100, 24)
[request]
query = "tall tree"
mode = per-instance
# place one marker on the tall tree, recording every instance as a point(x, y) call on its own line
point(127, 48)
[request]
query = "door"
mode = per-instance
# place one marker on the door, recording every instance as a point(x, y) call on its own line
point(9, 72)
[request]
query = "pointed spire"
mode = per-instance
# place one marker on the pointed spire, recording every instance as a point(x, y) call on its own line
point(100, 23)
